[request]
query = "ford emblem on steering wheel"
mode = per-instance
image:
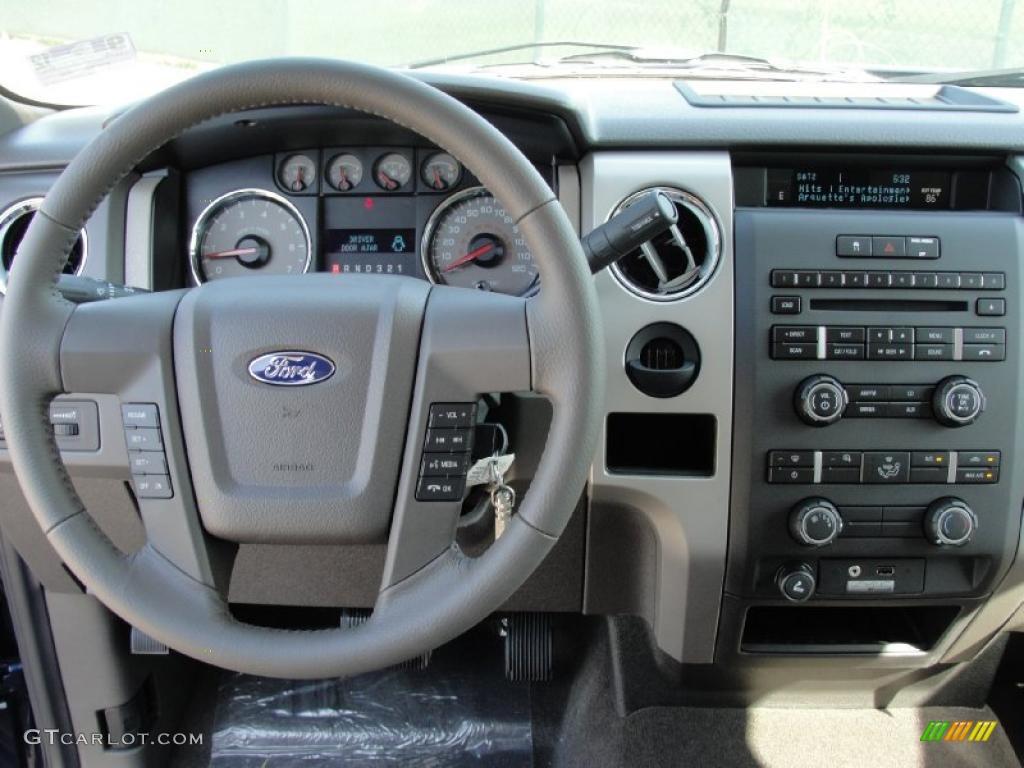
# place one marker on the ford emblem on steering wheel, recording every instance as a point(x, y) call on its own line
point(291, 369)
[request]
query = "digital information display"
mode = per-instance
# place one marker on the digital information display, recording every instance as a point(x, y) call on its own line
point(857, 188)
point(371, 251)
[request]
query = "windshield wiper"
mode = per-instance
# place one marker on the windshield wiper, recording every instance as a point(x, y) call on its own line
point(1006, 78)
point(470, 55)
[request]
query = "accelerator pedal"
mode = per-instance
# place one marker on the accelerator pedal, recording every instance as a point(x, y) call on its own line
point(353, 617)
point(529, 647)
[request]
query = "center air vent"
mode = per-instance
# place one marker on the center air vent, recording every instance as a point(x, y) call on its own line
point(678, 262)
point(14, 223)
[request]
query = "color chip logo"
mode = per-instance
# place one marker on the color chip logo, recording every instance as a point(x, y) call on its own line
point(958, 730)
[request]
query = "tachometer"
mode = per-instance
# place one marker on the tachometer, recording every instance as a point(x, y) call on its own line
point(246, 232)
point(471, 241)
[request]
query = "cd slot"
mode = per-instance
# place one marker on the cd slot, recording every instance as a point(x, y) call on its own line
point(888, 305)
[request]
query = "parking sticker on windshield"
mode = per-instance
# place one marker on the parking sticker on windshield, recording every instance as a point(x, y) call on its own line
point(82, 58)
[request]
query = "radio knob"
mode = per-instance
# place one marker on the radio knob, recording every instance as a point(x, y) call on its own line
point(815, 522)
point(796, 582)
point(950, 522)
point(958, 401)
point(820, 400)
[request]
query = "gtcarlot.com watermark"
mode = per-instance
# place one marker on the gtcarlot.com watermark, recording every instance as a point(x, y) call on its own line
point(52, 736)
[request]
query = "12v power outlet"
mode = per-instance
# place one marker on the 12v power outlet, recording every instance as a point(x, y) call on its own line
point(662, 360)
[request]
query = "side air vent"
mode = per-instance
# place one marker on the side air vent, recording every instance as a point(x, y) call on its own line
point(14, 223)
point(678, 262)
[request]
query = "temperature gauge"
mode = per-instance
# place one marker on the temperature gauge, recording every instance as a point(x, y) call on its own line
point(297, 173)
point(441, 171)
point(345, 172)
point(392, 171)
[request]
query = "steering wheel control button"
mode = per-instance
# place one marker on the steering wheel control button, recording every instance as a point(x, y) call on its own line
point(75, 425)
point(796, 582)
point(147, 462)
point(440, 488)
point(452, 415)
point(441, 464)
point(140, 415)
point(448, 440)
point(143, 439)
point(152, 486)
point(886, 467)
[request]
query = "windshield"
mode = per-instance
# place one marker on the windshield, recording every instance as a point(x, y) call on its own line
point(70, 52)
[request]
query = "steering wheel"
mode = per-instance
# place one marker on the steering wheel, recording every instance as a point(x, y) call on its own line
point(337, 462)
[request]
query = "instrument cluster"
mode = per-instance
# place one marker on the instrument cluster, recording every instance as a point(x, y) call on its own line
point(355, 210)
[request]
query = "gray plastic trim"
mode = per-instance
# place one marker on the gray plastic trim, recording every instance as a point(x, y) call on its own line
point(688, 515)
point(23, 208)
point(138, 230)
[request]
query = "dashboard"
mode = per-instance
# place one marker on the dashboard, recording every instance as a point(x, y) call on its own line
point(813, 390)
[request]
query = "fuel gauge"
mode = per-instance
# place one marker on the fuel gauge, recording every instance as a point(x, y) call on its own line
point(297, 173)
point(345, 172)
point(440, 171)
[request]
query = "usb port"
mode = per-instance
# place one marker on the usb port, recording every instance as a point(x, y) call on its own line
point(885, 570)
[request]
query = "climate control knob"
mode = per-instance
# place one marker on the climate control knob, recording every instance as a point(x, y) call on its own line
point(815, 522)
point(820, 400)
point(796, 582)
point(950, 522)
point(958, 401)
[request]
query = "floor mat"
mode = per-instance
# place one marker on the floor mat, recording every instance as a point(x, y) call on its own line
point(799, 738)
point(395, 717)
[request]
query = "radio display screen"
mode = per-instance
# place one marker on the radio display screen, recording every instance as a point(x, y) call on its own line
point(836, 187)
point(371, 251)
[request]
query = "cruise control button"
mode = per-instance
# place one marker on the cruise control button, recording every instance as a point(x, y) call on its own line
point(886, 246)
point(791, 458)
point(140, 415)
point(984, 352)
point(435, 464)
point(147, 462)
point(447, 440)
point(152, 486)
point(452, 415)
point(440, 488)
point(886, 467)
point(143, 439)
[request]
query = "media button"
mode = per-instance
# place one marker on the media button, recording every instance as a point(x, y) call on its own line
point(848, 335)
point(934, 335)
point(867, 392)
point(933, 351)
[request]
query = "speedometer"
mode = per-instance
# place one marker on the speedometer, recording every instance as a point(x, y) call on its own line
point(471, 241)
point(247, 232)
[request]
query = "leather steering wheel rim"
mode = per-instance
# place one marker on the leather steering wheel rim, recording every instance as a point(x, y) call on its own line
point(449, 594)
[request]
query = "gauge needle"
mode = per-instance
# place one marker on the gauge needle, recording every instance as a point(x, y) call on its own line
point(230, 254)
point(387, 181)
point(476, 253)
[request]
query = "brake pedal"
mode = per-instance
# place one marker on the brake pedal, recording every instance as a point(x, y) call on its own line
point(353, 617)
point(529, 647)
